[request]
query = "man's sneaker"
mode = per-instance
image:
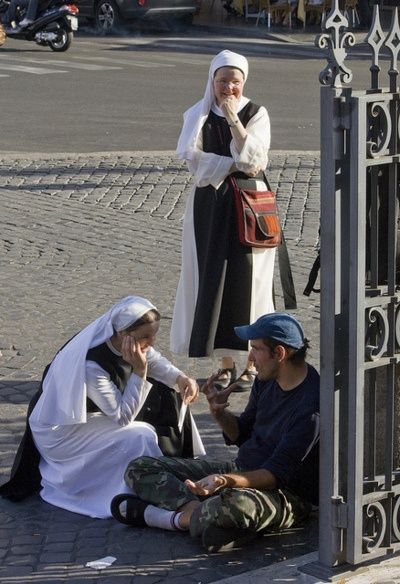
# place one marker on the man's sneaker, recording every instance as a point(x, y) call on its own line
point(217, 539)
point(25, 22)
point(135, 509)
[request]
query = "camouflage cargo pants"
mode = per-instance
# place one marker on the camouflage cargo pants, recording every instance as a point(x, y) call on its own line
point(159, 481)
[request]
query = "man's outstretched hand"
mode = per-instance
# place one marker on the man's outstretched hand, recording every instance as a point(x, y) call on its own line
point(208, 485)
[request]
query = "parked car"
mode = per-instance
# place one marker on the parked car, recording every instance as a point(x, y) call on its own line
point(110, 14)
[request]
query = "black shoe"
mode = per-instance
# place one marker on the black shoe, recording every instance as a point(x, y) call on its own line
point(135, 509)
point(230, 373)
point(218, 539)
point(241, 385)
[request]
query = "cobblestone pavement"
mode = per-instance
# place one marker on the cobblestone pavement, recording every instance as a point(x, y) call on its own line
point(77, 233)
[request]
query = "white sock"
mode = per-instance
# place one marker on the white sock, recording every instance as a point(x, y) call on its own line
point(175, 521)
point(122, 508)
point(162, 518)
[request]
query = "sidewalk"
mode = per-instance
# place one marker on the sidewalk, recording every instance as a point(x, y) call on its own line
point(78, 232)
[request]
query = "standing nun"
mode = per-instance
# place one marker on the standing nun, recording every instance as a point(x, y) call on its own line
point(223, 284)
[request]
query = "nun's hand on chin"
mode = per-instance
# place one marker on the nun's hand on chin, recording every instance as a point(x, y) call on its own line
point(229, 107)
point(133, 354)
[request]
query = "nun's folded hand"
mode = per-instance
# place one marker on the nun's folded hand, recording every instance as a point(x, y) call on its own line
point(253, 170)
point(133, 354)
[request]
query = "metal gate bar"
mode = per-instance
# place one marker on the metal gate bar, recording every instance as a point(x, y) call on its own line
point(360, 470)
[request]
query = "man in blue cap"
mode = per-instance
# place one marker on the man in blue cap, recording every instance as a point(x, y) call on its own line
point(273, 482)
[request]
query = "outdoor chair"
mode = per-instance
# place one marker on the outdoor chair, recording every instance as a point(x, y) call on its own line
point(316, 8)
point(277, 12)
point(350, 10)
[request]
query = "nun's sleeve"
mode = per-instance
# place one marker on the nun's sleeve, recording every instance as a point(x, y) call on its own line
point(208, 168)
point(257, 143)
point(120, 407)
point(162, 369)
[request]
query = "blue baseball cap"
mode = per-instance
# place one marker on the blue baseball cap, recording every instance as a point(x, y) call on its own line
point(279, 326)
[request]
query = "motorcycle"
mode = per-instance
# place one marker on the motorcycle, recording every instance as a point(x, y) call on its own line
point(54, 25)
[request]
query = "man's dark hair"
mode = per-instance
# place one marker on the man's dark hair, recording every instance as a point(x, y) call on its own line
point(151, 316)
point(296, 356)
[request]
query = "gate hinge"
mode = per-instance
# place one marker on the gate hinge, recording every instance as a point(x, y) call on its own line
point(339, 515)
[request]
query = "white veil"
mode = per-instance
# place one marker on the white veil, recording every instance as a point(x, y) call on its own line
point(194, 117)
point(64, 389)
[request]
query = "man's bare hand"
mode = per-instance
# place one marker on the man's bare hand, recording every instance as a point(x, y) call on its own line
point(207, 486)
point(217, 399)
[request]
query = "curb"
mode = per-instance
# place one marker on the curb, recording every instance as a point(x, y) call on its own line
point(286, 571)
point(5, 155)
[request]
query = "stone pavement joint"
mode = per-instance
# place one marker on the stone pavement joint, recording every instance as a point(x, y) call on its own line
point(77, 233)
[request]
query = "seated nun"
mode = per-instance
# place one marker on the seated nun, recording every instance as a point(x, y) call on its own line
point(91, 414)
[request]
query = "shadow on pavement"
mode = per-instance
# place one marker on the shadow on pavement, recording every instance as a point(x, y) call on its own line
point(47, 544)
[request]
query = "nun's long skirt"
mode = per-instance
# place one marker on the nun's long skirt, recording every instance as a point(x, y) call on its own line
point(223, 283)
point(83, 465)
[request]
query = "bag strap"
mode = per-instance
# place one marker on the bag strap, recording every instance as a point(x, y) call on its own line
point(285, 269)
point(285, 272)
point(313, 277)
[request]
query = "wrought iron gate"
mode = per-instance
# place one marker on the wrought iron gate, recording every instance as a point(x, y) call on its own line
point(360, 298)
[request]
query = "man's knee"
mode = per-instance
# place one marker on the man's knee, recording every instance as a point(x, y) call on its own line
point(241, 508)
point(140, 467)
point(244, 508)
point(154, 481)
point(231, 508)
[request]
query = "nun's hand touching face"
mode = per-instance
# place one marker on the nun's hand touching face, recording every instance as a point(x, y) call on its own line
point(135, 355)
point(136, 343)
point(229, 109)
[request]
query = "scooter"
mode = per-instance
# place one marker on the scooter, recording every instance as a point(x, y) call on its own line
point(54, 25)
